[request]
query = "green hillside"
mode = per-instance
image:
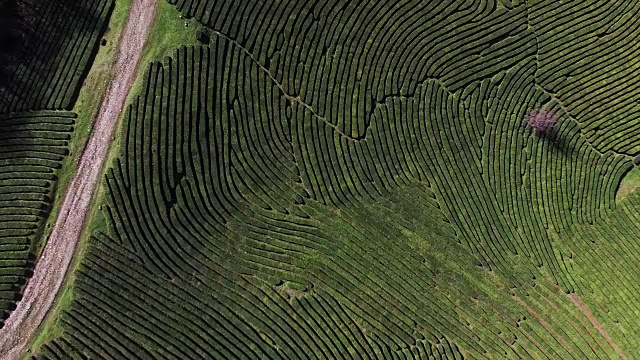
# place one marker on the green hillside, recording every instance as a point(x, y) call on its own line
point(357, 179)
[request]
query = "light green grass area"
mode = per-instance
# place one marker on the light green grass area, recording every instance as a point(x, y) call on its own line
point(628, 184)
point(167, 33)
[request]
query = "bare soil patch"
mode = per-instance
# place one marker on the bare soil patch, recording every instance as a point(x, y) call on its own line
point(596, 324)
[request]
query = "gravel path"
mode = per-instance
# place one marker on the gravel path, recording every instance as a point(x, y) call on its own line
point(52, 266)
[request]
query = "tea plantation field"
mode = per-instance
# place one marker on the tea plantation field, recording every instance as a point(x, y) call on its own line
point(357, 179)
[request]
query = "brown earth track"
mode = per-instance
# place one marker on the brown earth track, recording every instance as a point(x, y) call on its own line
point(543, 323)
point(50, 270)
point(596, 324)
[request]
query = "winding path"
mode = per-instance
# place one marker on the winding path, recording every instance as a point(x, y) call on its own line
point(52, 266)
point(575, 299)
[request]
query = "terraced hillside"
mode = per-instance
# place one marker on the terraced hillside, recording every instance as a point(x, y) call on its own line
point(46, 49)
point(357, 179)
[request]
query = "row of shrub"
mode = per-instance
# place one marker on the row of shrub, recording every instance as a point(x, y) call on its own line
point(345, 62)
point(604, 258)
point(244, 223)
point(343, 58)
point(32, 148)
point(49, 51)
point(590, 63)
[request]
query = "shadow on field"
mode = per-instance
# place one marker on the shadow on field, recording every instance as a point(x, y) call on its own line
point(33, 33)
point(554, 139)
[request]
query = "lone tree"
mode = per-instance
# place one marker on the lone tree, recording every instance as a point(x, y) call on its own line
point(542, 120)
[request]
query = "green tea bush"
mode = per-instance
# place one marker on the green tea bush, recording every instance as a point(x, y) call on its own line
point(356, 180)
point(32, 148)
point(48, 49)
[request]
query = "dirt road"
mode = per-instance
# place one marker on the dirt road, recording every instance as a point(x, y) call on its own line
point(50, 269)
point(596, 324)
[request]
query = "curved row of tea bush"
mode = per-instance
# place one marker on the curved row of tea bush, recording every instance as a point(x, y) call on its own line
point(245, 223)
point(604, 258)
point(366, 51)
point(32, 148)
point(344, 61)
point(54, 47)
point(343, 57)
point(588, 57)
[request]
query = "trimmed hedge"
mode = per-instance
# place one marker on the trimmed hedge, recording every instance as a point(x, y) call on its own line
point(358, 180)
point(55, 48)
point(32, 148)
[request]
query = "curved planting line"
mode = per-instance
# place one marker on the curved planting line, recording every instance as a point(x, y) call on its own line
point(354, 179)
point(51, 60)
point(51, 268)
point(33, 147)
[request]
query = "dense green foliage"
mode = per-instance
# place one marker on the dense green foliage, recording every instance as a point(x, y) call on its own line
point(46, 49)
point(344, 179)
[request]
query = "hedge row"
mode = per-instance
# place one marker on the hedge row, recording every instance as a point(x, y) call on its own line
point(242, 224)
point(43, 70)
point(350, 180)
point(32, 148)
point(589, 62)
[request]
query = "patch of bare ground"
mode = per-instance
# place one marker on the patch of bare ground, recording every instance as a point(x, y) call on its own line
point(595, 323)
point(50, 270)
point(534, 314)
point(624, 190)
point(288, 292)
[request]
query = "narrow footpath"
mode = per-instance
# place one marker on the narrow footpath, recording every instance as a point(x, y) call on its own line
point(50, 269)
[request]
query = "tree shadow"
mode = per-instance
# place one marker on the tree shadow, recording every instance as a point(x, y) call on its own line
point(554, 139)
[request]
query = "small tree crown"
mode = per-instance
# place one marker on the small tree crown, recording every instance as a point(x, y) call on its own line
point(542, 120)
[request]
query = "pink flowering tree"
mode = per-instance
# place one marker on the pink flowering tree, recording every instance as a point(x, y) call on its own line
point(542, 120)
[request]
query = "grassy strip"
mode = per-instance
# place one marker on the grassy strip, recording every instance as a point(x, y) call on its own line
point(167, 33)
